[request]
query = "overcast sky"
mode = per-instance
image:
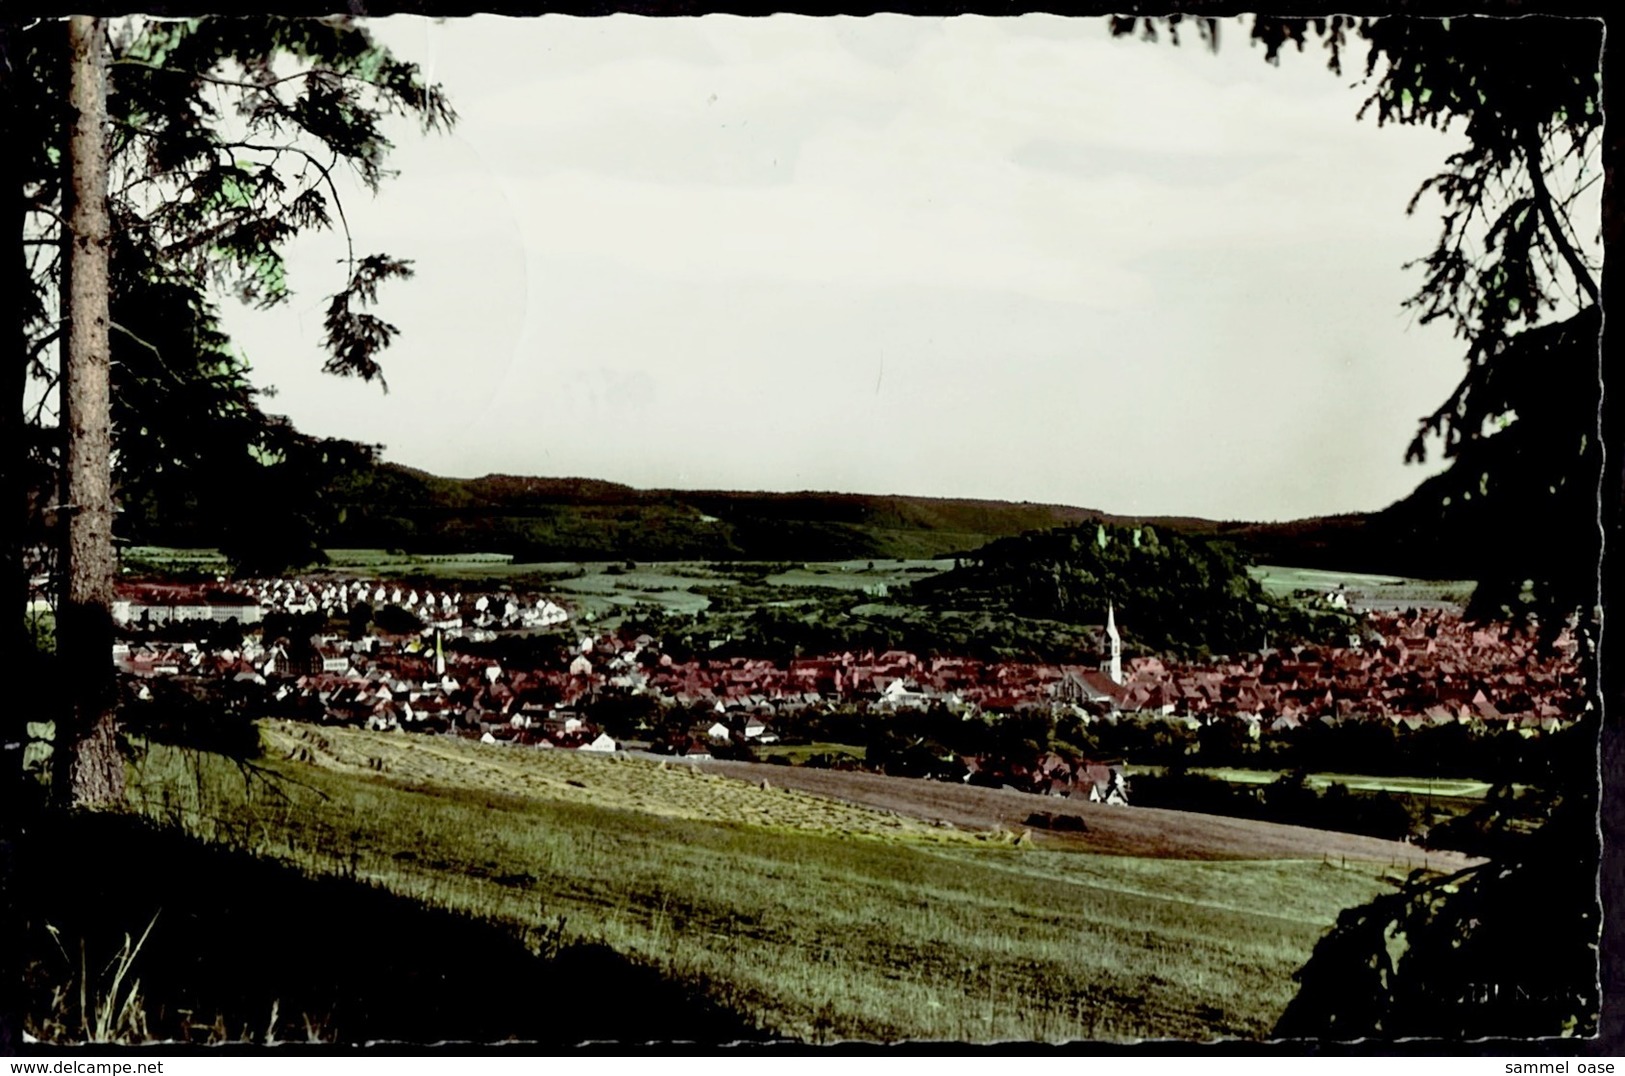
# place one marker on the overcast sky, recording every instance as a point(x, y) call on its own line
point(1009, 258)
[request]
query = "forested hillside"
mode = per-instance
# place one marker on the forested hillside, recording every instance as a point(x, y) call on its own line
point(1185, 596)
point(542, 519)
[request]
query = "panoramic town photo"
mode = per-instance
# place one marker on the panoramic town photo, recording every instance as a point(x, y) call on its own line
point(722, 530)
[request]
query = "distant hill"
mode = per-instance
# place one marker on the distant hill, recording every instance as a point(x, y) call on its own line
point(390, 506)
point(539, 519)
point(534, 518)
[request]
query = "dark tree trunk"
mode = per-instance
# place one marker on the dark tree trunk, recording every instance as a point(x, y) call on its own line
point(88, 756)
point(17, 285)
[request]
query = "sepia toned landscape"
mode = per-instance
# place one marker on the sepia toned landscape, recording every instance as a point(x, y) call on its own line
point(837, 558)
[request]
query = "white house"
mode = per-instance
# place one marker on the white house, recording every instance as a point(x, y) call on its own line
point(899, 694)
point(1107, 784)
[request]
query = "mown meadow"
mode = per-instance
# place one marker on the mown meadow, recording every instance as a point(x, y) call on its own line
point(1363, 589)
point(811, 918)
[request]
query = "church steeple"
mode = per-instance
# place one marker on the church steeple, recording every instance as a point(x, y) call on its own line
point(1113, 667)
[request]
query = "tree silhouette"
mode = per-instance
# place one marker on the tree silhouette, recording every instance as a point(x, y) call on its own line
point(221, 138)
point(1509, 272)
point(1507, 949)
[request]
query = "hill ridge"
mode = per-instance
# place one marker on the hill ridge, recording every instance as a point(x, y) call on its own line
point(536, 518)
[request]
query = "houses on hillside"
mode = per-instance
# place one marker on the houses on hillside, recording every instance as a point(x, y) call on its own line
point(1413, 668)
point(153, 605)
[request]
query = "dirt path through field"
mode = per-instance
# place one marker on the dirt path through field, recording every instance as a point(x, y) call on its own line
point(1134, 831)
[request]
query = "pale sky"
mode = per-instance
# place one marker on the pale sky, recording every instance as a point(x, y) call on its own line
point(1008, 258)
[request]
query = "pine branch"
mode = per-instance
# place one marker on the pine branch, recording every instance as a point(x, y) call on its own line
point(1548, 213)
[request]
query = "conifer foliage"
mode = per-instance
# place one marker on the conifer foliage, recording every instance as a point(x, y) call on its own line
point(180, 157)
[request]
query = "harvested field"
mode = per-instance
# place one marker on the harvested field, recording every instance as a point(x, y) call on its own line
point(805, 915)
point(607, 781)
point(1132, 831)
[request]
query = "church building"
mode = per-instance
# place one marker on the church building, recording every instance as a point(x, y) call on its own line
point(1112, 665)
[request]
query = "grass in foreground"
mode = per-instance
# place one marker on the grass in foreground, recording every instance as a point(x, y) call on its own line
point(815, 919)
point(143, 933)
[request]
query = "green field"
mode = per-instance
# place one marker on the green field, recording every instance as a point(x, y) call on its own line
point(1364, 590)
point(859, 575)
point(169, 560)
point(818, 919)
point(609, 590)
point(597, 589)
point(798, 754)
point(1448, 787)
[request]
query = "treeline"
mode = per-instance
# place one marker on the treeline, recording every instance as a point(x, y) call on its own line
point(1491, 828)
point(575, 519)
point(823, 622)
point(544, 519)
point(339, 494)
point(1376, 748)
point(1365, 747)
point(1288, 800)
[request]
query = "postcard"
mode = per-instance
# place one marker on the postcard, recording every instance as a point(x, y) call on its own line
point(804, 530)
